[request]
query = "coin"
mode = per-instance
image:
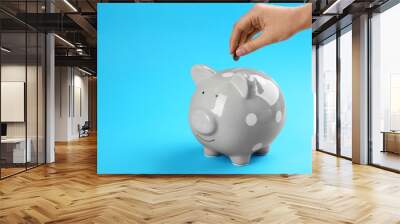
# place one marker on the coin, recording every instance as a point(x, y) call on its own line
point(235, 57)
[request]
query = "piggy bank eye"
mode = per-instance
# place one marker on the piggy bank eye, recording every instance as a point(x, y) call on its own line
point(216, 95)
point(202, 92)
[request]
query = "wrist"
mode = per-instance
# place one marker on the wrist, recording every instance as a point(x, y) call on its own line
point(304, 16)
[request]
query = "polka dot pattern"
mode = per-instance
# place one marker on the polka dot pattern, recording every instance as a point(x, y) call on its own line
point(251, 119)
point(278, 116)
point(256, 147)
point(227, 74)
point(251, 78)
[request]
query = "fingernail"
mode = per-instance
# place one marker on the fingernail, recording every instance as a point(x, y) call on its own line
point(240, 52)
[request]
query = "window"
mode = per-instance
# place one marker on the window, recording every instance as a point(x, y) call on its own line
point(327, 96)
point(346, 92)
point(385, 89)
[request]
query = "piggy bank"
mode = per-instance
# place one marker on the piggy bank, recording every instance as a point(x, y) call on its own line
point(236, 112)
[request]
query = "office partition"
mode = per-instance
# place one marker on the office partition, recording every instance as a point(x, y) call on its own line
point(345, 93)
point(327, 95)
point(334, 93)
point(385, 89)
point(23, 87)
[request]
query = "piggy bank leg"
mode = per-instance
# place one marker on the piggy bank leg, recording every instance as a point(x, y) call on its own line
point(262, 151)
point(210, 152)
point(240, 160)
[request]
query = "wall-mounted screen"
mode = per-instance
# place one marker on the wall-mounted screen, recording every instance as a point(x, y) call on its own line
point(12, 101)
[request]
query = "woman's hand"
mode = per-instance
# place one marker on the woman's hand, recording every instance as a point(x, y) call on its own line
point(274, 24)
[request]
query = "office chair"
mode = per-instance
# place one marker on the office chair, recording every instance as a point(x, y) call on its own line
point(84, 130)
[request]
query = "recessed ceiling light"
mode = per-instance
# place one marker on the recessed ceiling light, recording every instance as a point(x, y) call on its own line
point(5, 50)
point(338, 6)
point(64, 40)
point(70, 5)
point(84, 71)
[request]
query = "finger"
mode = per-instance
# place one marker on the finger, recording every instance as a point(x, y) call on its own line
point(235, 37)
point(254, 44)
point(248, 37)
point(245, 36)
point(239, 28)
point(235, 40)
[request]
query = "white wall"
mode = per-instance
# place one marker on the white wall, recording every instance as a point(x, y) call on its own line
point(62, 82)
point(16, 72)
point(80, 84)
point(70, 83)
point(34, 126)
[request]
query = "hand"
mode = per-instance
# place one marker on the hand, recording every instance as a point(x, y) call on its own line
point(274, 24)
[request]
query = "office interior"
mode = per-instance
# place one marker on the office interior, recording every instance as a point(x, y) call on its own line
point(49, 123)
point(376, 89)
point(48, 79)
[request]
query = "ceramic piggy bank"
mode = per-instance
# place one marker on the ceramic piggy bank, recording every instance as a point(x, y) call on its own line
point(235, 112)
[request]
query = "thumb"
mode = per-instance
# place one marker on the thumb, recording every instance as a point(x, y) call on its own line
point(254, 44)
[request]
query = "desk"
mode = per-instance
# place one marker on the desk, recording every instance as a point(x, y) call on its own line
point(17, 152)
point(391, 141)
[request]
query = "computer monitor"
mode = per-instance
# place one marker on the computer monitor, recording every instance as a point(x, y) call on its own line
point(3, 129)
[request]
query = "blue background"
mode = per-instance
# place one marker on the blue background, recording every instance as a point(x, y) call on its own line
point(145, 53)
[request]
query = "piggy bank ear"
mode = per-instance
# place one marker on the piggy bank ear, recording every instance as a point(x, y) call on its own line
point(201, 72)
point(240, 84)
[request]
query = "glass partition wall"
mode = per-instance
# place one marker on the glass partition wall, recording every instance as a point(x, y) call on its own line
point(326, 54)
point(22, 98)
point(385, 89)
point(334, 94)
point(345, 62)
point(13, 89)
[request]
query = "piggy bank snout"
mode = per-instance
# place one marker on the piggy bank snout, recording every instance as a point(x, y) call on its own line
point(203, 122)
